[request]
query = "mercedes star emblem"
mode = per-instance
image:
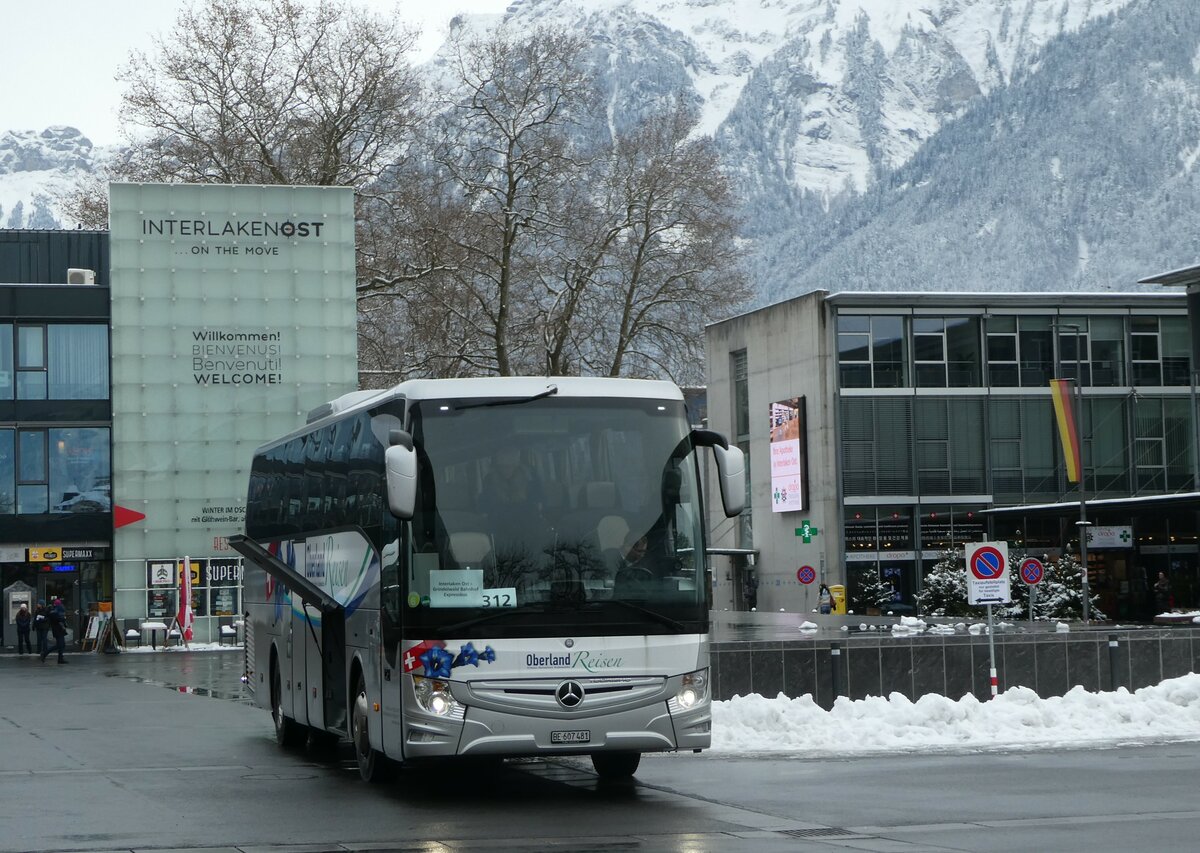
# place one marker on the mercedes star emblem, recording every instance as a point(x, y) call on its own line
point(569, 694)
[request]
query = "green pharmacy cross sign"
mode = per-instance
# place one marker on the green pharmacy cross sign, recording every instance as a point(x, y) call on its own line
point(806, 531)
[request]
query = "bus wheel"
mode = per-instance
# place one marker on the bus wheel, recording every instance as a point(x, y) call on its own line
point(616, 765)
point(372, 766)
point(288, 733)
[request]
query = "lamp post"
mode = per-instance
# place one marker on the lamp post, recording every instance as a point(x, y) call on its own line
point(1083, 524)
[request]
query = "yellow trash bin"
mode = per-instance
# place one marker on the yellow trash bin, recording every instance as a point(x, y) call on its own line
point(838, 591)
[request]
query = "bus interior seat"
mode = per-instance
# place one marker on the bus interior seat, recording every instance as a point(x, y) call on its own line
point(469, 549)
point(611, 533)
point(597, 501)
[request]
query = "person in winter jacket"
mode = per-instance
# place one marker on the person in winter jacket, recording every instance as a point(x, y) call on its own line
point(57, 618)
point(41, 625)
point(24, 619)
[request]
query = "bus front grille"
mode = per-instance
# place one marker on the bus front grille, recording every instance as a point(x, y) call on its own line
point(600, 695)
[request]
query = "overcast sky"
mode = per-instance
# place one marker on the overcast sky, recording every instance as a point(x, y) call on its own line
point(60, 56)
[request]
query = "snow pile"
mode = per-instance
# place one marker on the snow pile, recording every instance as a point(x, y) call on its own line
point(908, 626)
point(1169, 711)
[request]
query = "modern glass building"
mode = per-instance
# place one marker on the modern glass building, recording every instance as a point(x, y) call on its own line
point(929, 423)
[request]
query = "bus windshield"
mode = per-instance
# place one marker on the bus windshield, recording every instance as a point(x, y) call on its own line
point(554, 515)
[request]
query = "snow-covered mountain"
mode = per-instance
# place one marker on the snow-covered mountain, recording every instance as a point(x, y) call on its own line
point(895, 144)
point(928, 144)
point(35, 167)
point(812, 97)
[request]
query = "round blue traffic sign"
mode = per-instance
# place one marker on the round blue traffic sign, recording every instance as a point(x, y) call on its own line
point(806, 575)
point(1032, 571)
point(987, 563)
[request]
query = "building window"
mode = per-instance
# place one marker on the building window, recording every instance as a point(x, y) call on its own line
point(877, 446)
point(7, 378)
point(1020, 351)
point(946, 352)
point(949, 435)
point(1024, 457)
point(1106, 446)
point(31, 362)
point(56, 361)
point(1107, 338)
point(32, 487)
point(1162, 445)
point(80, 470)
point(739, 369)
point(1159, 350)
point(871, 351)
point(8, 472)
point(77, 361)
point(56, 470)
point(1074, 360)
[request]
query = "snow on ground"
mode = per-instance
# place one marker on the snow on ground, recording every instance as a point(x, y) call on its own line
point(191, 647)
point(1017, 718)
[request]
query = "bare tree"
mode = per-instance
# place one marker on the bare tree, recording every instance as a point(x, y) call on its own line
point(501, 154)
point(267, 92)
point(544, 243)
point(651, 262)
point(673, 267)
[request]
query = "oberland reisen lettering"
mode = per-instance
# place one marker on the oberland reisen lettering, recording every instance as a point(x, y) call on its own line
point(251, 228)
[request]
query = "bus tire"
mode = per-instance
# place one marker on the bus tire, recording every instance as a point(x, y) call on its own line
point(373, 766)
point(288, 733)
point(616, 765)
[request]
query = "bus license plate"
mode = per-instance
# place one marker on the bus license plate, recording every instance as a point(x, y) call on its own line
point(570, 737)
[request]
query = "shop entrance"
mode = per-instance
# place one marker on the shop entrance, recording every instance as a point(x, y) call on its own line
point(64, 585)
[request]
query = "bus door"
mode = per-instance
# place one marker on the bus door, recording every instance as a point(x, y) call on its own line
point(333, 686)
point(308, 666)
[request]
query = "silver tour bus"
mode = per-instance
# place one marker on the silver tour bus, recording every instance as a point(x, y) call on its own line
point(493, 567)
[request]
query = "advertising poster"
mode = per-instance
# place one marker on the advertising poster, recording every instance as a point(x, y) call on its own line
point(789, 462)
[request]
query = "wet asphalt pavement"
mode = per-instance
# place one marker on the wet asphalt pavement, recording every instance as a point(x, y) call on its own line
point(163, 752)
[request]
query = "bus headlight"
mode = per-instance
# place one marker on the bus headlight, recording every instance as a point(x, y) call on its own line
point(434, 697)
point(693, 691)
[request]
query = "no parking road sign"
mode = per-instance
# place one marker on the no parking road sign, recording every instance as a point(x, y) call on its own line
point(806, 575)
point(1032, 571)
point(987, 573)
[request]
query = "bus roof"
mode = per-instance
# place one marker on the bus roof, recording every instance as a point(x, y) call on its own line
point(488, 387)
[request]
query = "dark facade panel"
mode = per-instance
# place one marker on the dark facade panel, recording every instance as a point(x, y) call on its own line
point(57, 527)
point(54, 302)
point(43, 257)
point(98, 412)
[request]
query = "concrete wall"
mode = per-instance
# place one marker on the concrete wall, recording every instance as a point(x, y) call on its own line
point(789, 348)
point(953, 666)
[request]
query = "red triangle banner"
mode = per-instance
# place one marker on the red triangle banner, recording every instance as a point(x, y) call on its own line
point(123, 516)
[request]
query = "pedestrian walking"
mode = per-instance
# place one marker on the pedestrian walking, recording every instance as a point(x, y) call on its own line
point(24, 620)
point(41, 625)
point(1162, 594)
point(825, 600)
point(58, 629)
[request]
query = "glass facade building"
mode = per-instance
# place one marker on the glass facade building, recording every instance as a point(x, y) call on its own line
point(939, 413)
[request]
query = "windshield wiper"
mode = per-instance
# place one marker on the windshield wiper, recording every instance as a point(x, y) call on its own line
point(660, 618)
point(550, 391)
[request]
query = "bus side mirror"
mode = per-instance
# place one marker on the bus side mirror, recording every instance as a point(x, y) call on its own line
point(400, 462)
point(731, 476)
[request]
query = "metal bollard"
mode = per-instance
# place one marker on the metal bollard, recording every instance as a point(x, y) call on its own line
point(1112, 662)
point(835, 659)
